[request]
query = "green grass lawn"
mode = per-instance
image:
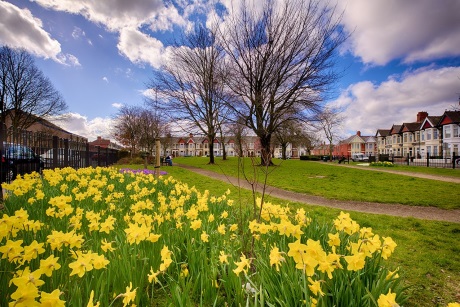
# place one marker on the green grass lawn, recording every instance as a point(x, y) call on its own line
point(428, 252)
point(342, 183)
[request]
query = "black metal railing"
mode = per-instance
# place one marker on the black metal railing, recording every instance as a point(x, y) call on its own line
point(23, 150)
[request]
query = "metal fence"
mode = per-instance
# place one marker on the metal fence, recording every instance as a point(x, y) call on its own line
point(52, 152)
point(428, 161)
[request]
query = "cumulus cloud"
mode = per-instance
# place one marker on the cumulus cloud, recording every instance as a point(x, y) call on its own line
point(114, 15)
point(28, 34)
point(140, 48)
point(372, 106)
point(129, 19)
point(384, 30)
point(105, 79)
point(117, 105)
point(91, 129)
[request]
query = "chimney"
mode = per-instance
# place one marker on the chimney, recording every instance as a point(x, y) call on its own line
point(358, 133)
point(191, 135)
point(421, 116)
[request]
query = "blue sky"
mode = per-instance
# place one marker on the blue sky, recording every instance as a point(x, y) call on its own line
point(402, 56)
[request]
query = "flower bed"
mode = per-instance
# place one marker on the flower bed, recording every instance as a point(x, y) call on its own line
point(384, 164)
point(101, 236)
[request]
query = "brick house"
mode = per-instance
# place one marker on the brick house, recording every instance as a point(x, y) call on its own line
point(357, 143)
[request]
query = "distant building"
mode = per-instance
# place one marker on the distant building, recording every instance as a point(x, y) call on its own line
point(357, 143)
point(105, 143)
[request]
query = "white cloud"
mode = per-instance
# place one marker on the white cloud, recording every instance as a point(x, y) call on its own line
point(68, 59)
point(141, 48)
point(105, 79)
point(115, 14)
point(91, 129)
point(384, 30)
point(19, 29)
point(372, 106)
point(128, 18)
point(117, 105)
point(77, 33)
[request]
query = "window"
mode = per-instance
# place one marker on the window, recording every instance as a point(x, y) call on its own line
point(455, 150)
point(455, 134)
point(405, 137)
point(447, 132)
point(435, 134)
point(435, 150)
point(410, 138)
point(422, 134)
point(428, 150)
point(428, 134)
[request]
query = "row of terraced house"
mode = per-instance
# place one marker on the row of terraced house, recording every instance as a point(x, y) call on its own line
point(433, 136)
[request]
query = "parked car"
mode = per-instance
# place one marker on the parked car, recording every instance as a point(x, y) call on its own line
point(18, 159)
point(359, 157)
point(73, 157)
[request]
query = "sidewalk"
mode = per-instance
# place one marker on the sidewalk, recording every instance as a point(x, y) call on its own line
point(425, 213)
point(412, 174)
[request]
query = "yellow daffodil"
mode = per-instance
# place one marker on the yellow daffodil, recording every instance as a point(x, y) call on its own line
point(153, 276)
point(356, 262)
point(387, 300)
point(334, 239)
point(315, 287)
point(129, 295)
point(223, 258)
point(242, 265)
point(221, 229)
point(25, 295)
point(276, 257)
point(48, 265)
point(51, 299)
point(204, 237)
point(195, 224)
point(90, 303)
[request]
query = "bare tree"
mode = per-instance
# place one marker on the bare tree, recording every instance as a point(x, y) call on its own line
point(287, 133)
point(281, 62)
point(239, 131)
point(25, 93)
point(127, 127)
point(192, 84)
point(329, 121)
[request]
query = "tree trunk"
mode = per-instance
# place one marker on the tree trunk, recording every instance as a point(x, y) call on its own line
point(211, 150)
point(265, 154)
point(283, 149)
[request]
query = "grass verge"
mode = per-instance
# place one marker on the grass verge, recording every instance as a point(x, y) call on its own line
point(342, 183)
point(427, 254)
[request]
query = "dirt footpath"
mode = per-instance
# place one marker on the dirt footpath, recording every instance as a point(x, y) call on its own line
point(425, 213)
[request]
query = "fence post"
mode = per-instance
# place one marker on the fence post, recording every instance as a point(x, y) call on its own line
point(66, 153)
point(427, 159)
point(55, 151)
point(454, 158)
point(408, 159)
point(87, 155)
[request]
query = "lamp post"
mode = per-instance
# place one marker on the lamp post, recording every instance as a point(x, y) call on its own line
point(157, 157)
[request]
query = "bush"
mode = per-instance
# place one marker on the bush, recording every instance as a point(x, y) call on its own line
point(311, 158)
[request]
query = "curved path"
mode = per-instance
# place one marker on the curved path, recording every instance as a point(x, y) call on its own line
point(426, 213)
